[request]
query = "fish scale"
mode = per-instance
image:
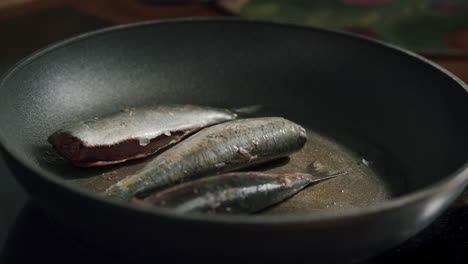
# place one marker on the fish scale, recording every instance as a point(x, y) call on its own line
point(214, 150)
point(133, 133)
point(235, 192)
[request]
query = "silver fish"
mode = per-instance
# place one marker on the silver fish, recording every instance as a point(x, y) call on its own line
point(132, 133)
point(235, 192)
point(216, 149)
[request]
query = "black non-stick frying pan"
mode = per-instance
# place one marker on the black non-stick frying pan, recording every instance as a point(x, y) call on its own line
point(396, 122)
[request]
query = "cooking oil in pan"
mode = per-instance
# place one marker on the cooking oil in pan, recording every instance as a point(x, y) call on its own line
point(361, 186)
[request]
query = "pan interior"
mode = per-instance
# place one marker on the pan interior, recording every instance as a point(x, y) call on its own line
point(362, 102)
point(361, 186)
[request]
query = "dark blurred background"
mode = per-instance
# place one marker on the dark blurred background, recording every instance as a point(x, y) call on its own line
point(435, 29)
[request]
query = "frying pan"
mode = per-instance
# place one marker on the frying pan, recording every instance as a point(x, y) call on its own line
point(388, 107)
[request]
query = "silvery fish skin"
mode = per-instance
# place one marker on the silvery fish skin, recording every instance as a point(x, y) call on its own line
point(236, 192)
point(216, 149)
point(133, 133)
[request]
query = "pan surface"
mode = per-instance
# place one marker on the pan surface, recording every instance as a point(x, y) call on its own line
point(395, 122)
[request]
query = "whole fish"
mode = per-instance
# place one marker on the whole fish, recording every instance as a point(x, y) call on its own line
point(132, 133)
point(236, 192)
point(216, 149)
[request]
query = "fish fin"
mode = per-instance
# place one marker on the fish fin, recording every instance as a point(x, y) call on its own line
point(314, 168)
point(246, 110)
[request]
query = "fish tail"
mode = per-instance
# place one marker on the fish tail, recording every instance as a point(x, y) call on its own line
point(323, 176)
point(315, 172)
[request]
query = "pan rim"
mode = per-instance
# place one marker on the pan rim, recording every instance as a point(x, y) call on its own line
point(450, 183)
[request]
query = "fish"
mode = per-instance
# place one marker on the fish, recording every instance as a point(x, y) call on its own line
point(132, 133)
point(216, 149)
point(233, 193)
